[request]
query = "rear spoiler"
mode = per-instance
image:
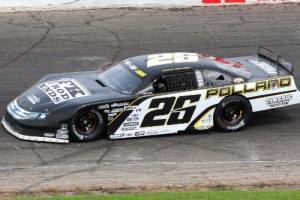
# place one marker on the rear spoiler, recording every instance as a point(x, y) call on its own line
point(273, 57)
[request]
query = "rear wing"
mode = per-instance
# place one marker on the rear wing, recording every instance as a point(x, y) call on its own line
point(273, 57)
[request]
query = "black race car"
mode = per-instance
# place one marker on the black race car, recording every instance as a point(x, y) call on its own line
point(152, 95)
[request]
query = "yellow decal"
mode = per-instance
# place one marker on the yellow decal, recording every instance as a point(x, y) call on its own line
point(201, 122)
point(140, 73)
point(248, 87)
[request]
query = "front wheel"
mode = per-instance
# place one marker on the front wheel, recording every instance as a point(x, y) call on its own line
point(232, 113)
point(87, 125)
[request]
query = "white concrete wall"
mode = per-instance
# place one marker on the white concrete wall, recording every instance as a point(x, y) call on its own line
point(11, 5)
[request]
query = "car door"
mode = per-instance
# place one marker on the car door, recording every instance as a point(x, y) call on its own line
point(166, 106)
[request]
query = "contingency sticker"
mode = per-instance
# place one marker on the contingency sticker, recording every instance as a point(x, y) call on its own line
point(265, 67)
point(64, 89)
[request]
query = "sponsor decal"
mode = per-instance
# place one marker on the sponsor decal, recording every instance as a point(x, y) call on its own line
point(279, 101)
point(273, 85)
point(133, 119)
point(131, 124)
point(249, 87)
point(151, 132)
point(265, 67)
point(49, 134)
point(134, 68)
point(164, 131)
point(200, 128)
point(238, 80)
point(112, 114)
point(33, 99)
point(223, 61)
point(140, 73)
point(130, 65)
point(140, 133)
point(103, 106)
point(119, 104)
point(129, 134)
point(175, 69)
point(62, 133)
point(63, 90)
point(118, 135)
point(117, 110)
point(126, 108)
point(199, 77)
point(207, 120)
point(106, 111)
point(130, 128)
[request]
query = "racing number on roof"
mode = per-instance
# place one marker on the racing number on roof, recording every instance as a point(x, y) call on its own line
point(169, 58)
point(179, 113)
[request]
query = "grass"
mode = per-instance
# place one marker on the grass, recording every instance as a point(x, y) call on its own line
point(190, 195)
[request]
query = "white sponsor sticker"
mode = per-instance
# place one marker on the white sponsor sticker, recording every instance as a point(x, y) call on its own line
point(49, 134)
point(274, 102)
point(103, 106)
point(33, 99)
point(63, 90)
point(126, 108)
point(119, 104)
point(265, 67)
point(62, 133)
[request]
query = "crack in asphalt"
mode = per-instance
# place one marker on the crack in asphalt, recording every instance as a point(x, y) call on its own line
point(92, 168)
point(36, 184)
point(34, 150)
point(104, 18)
point(105, 153)
point(76, 153)
point(119, 50)
point(10, 22)
point(114, 34)
point(49, 27)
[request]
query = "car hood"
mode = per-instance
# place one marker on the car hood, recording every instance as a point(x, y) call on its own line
point(68, 90)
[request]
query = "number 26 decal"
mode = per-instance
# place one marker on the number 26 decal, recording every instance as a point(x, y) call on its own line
point(179, 114)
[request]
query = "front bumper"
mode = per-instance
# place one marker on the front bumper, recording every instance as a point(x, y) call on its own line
point(26, 133)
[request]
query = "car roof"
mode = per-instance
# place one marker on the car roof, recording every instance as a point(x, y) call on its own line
point(154, 65)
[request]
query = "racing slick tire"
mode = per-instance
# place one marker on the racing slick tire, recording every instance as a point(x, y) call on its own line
point(232, 113)
point(87, 125)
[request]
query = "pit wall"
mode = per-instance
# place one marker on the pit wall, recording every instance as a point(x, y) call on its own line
point(16, 5)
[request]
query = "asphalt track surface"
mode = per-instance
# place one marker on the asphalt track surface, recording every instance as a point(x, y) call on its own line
point(33, 44)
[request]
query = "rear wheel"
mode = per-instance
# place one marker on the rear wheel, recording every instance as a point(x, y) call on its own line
point(87, 125)
point(232, 113)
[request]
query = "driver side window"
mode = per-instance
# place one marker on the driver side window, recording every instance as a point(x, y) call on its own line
point(174, 82)
point(156, 86)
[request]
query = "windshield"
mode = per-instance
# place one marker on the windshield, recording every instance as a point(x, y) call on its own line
point(120, 79)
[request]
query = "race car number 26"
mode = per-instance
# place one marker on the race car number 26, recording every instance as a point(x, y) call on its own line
point(175, 111)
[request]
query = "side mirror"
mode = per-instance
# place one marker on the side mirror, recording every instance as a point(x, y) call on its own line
point(147, 90)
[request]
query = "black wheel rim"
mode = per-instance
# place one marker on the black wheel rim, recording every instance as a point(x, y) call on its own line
point(86, 123)
point(232, 113)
